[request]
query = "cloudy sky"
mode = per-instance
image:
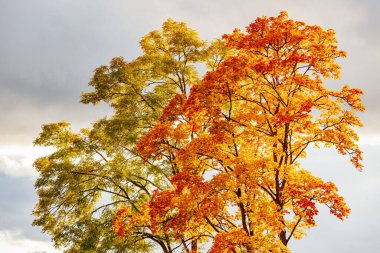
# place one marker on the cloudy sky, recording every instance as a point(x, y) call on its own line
point(48, 49)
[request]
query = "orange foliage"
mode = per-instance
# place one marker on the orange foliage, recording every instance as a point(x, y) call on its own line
point(234, 144)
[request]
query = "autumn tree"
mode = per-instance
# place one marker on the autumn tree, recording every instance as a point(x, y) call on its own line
point(212, 168)
point(233, 146)
point(94, 173)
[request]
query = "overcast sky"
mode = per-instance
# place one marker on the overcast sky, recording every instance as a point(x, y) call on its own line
point(49, 48)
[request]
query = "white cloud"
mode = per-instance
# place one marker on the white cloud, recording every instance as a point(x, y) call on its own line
point(17, 161)
point(13, 241)
point(369, 139)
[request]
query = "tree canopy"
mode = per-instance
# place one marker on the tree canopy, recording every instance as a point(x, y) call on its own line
point(194, 164)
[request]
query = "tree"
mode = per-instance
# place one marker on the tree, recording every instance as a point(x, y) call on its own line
point(215, 166)
point(235, 142)
point(93, 173)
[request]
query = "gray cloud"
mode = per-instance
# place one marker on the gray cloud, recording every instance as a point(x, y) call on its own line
point(17, 198)
point(49, 48)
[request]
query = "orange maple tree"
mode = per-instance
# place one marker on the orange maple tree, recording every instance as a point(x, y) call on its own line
point(234, 143)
